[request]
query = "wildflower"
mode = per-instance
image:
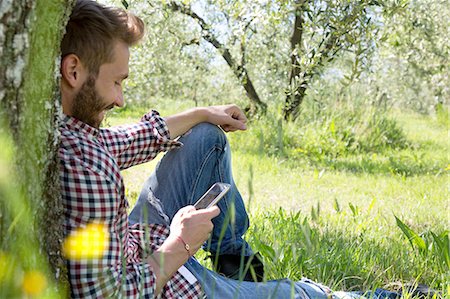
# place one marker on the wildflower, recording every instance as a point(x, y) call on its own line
point(89, 242)
point(34, 283)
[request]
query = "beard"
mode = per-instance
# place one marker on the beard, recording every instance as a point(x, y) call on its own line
point(88, 106)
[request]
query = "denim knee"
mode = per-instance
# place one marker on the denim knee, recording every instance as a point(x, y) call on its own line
point(207, 134)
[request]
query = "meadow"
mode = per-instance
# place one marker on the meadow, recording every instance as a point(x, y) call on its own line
point(355, 199)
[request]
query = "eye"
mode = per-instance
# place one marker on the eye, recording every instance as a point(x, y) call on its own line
point(117, 83)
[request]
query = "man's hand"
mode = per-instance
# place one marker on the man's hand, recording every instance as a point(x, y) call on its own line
point(193, 226)
point(229, 117)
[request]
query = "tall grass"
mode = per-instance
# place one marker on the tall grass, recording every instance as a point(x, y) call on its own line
point(340, 196)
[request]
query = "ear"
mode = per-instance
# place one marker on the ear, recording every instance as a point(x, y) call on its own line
point(72, 71)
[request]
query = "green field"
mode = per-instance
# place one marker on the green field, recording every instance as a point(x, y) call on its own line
point(333, 218)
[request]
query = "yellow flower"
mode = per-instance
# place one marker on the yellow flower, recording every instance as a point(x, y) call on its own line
point(89, 242)
point(34, 283)
point(448, 167)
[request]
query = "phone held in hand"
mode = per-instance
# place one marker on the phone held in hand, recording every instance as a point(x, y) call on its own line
point(212, 196)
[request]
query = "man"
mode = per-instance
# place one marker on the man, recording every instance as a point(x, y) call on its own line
point(151, 253)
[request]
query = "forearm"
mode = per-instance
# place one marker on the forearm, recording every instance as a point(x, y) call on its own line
point(180, 123)
point(167, 260)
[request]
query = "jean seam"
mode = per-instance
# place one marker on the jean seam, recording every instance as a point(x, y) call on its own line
point(201, 168)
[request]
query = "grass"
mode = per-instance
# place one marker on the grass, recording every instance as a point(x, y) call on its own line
point(351, 216)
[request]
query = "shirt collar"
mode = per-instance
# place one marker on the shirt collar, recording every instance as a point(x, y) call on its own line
point(77, 125)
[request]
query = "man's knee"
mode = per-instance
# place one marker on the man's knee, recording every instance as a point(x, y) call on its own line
point(206, 133)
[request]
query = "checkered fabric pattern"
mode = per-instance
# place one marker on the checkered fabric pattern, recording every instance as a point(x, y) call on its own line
point(93, 192)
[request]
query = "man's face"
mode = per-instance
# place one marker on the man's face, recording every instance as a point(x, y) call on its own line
point(98, 95)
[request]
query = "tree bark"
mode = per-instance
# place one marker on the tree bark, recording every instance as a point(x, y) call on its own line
point(296, 91)
point(30, 35)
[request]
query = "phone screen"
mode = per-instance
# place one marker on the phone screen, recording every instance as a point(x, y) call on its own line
point(212, 196)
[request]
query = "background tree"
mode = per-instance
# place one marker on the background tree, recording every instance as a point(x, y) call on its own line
point(417, 49)
point(239, 68)
point(30, 35)
point(292, 50)
point(321, 31)
point(274, 48)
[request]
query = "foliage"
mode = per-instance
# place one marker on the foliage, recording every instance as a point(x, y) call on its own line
point(394, 50)
point(322, 30)
point(415, 56)
point(343, 251)
point(432, 245)
point(326, 135)
point(167, 64)
point(442, 115)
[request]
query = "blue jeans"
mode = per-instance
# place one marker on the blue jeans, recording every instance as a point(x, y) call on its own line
point(217, 286)
point(180, 178)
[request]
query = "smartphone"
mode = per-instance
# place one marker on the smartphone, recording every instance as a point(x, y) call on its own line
point(212, 196)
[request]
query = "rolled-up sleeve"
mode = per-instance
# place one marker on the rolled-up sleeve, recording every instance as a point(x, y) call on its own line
point(138, 143)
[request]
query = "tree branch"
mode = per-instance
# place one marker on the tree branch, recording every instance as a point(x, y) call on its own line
point(239, 70)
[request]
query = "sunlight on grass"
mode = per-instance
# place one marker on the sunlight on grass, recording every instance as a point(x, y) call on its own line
point(332, 217)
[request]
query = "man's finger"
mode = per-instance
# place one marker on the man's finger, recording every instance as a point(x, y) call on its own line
point(187, 209)
point(237, 124)
point(210, 212)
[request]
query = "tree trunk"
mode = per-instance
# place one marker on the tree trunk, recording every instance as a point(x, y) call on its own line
point(30, 35)
point(296, 90)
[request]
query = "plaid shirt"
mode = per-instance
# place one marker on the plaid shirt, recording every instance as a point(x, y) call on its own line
point(93, 192)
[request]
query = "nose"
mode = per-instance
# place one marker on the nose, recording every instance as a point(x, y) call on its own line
point(119, 102)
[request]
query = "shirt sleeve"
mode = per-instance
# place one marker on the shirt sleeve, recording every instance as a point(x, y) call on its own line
point(138, 143)
point(119, 272)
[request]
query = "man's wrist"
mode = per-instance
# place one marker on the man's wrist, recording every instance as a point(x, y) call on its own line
point(200, 114)
point(185, 245)
point(175, 247)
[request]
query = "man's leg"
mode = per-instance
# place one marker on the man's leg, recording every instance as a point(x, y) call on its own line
point(217, 286)
point(183, 175)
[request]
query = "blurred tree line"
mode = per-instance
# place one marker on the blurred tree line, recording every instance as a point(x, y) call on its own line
point(279, 53)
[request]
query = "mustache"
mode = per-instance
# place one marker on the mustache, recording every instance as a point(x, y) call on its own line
point(109, 107)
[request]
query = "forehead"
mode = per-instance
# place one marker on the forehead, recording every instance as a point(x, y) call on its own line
point(119, 64)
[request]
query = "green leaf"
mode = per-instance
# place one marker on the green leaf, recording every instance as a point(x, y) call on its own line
point(413, 238)
point(336, 205)
point(333, 127)
point(354, 209)
point(125, 4)
point(267, 251)
point(443, 244)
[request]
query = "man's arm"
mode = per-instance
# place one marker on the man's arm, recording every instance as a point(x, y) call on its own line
point(189, 226)
point(229, 117)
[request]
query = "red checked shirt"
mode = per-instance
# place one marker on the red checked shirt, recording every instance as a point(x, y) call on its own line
point(93, 192)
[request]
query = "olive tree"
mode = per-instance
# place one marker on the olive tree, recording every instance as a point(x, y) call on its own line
point(30, 34)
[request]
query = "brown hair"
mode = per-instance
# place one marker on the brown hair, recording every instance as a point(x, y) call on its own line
point(93, 29)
